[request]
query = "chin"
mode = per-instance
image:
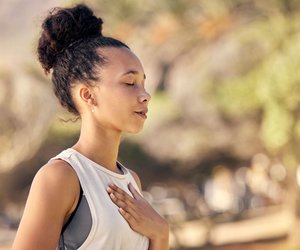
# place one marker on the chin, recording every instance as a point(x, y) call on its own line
point(134, 130)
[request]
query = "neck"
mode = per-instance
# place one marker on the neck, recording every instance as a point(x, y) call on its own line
point(99, 144)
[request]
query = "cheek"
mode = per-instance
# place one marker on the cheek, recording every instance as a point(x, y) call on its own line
point(116, 103)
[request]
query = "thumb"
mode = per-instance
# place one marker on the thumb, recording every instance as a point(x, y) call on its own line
point(135, 193)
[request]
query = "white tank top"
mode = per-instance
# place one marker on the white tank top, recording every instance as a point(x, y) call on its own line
point(109, 229)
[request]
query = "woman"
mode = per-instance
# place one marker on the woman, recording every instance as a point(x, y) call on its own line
point(84, 198)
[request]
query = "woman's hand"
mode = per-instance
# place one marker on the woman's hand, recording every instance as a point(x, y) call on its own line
point(141, 217)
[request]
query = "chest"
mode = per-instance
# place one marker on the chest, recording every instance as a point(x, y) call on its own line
point(105, 213)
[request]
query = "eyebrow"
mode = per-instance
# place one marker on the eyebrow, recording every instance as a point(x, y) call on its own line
point(133, 72)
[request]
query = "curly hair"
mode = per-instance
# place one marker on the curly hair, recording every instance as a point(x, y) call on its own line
point(67, 45)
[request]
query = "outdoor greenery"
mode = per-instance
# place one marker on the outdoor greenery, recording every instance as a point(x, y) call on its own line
point(223, 75)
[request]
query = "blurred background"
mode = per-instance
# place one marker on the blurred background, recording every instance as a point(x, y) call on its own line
point(219, 155)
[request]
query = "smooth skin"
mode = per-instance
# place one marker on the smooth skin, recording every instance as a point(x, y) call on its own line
point(55, 190)
point(140, 216)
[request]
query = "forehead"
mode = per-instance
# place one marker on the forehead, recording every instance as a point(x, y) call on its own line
point(121, 59)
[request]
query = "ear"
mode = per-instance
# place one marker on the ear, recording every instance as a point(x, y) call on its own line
point(86, 95)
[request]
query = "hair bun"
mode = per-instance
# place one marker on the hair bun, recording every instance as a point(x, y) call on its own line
point(64, 26)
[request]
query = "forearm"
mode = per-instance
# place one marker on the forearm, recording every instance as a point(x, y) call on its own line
point(161, 242)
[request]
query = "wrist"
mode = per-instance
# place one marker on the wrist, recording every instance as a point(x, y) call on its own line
point(162, 232)
point(161, 240)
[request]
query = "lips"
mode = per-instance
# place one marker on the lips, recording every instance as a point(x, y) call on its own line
point(142, 113)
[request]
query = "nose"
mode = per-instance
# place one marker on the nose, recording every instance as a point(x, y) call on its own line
point(144, 97)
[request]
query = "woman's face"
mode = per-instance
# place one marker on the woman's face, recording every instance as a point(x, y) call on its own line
point(120, 95)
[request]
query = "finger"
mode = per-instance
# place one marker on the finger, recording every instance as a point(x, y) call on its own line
point(134, 192)
point(121, 195)
point(125, 206)
point(120, 202)
point(128, 217)
point(115, 188)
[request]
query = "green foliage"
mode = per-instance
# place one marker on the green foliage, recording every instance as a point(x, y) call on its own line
point(162, 108)
point(276, 127)
point(237, 97)
point(264, 80)
point(271, 86)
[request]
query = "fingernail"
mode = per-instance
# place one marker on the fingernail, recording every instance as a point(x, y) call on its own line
point(108, 189)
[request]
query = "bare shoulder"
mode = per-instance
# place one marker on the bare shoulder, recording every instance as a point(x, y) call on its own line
point(136, 178)
point(58, 171)
point(57, 179)
point(52, 197)
point(58, 175)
